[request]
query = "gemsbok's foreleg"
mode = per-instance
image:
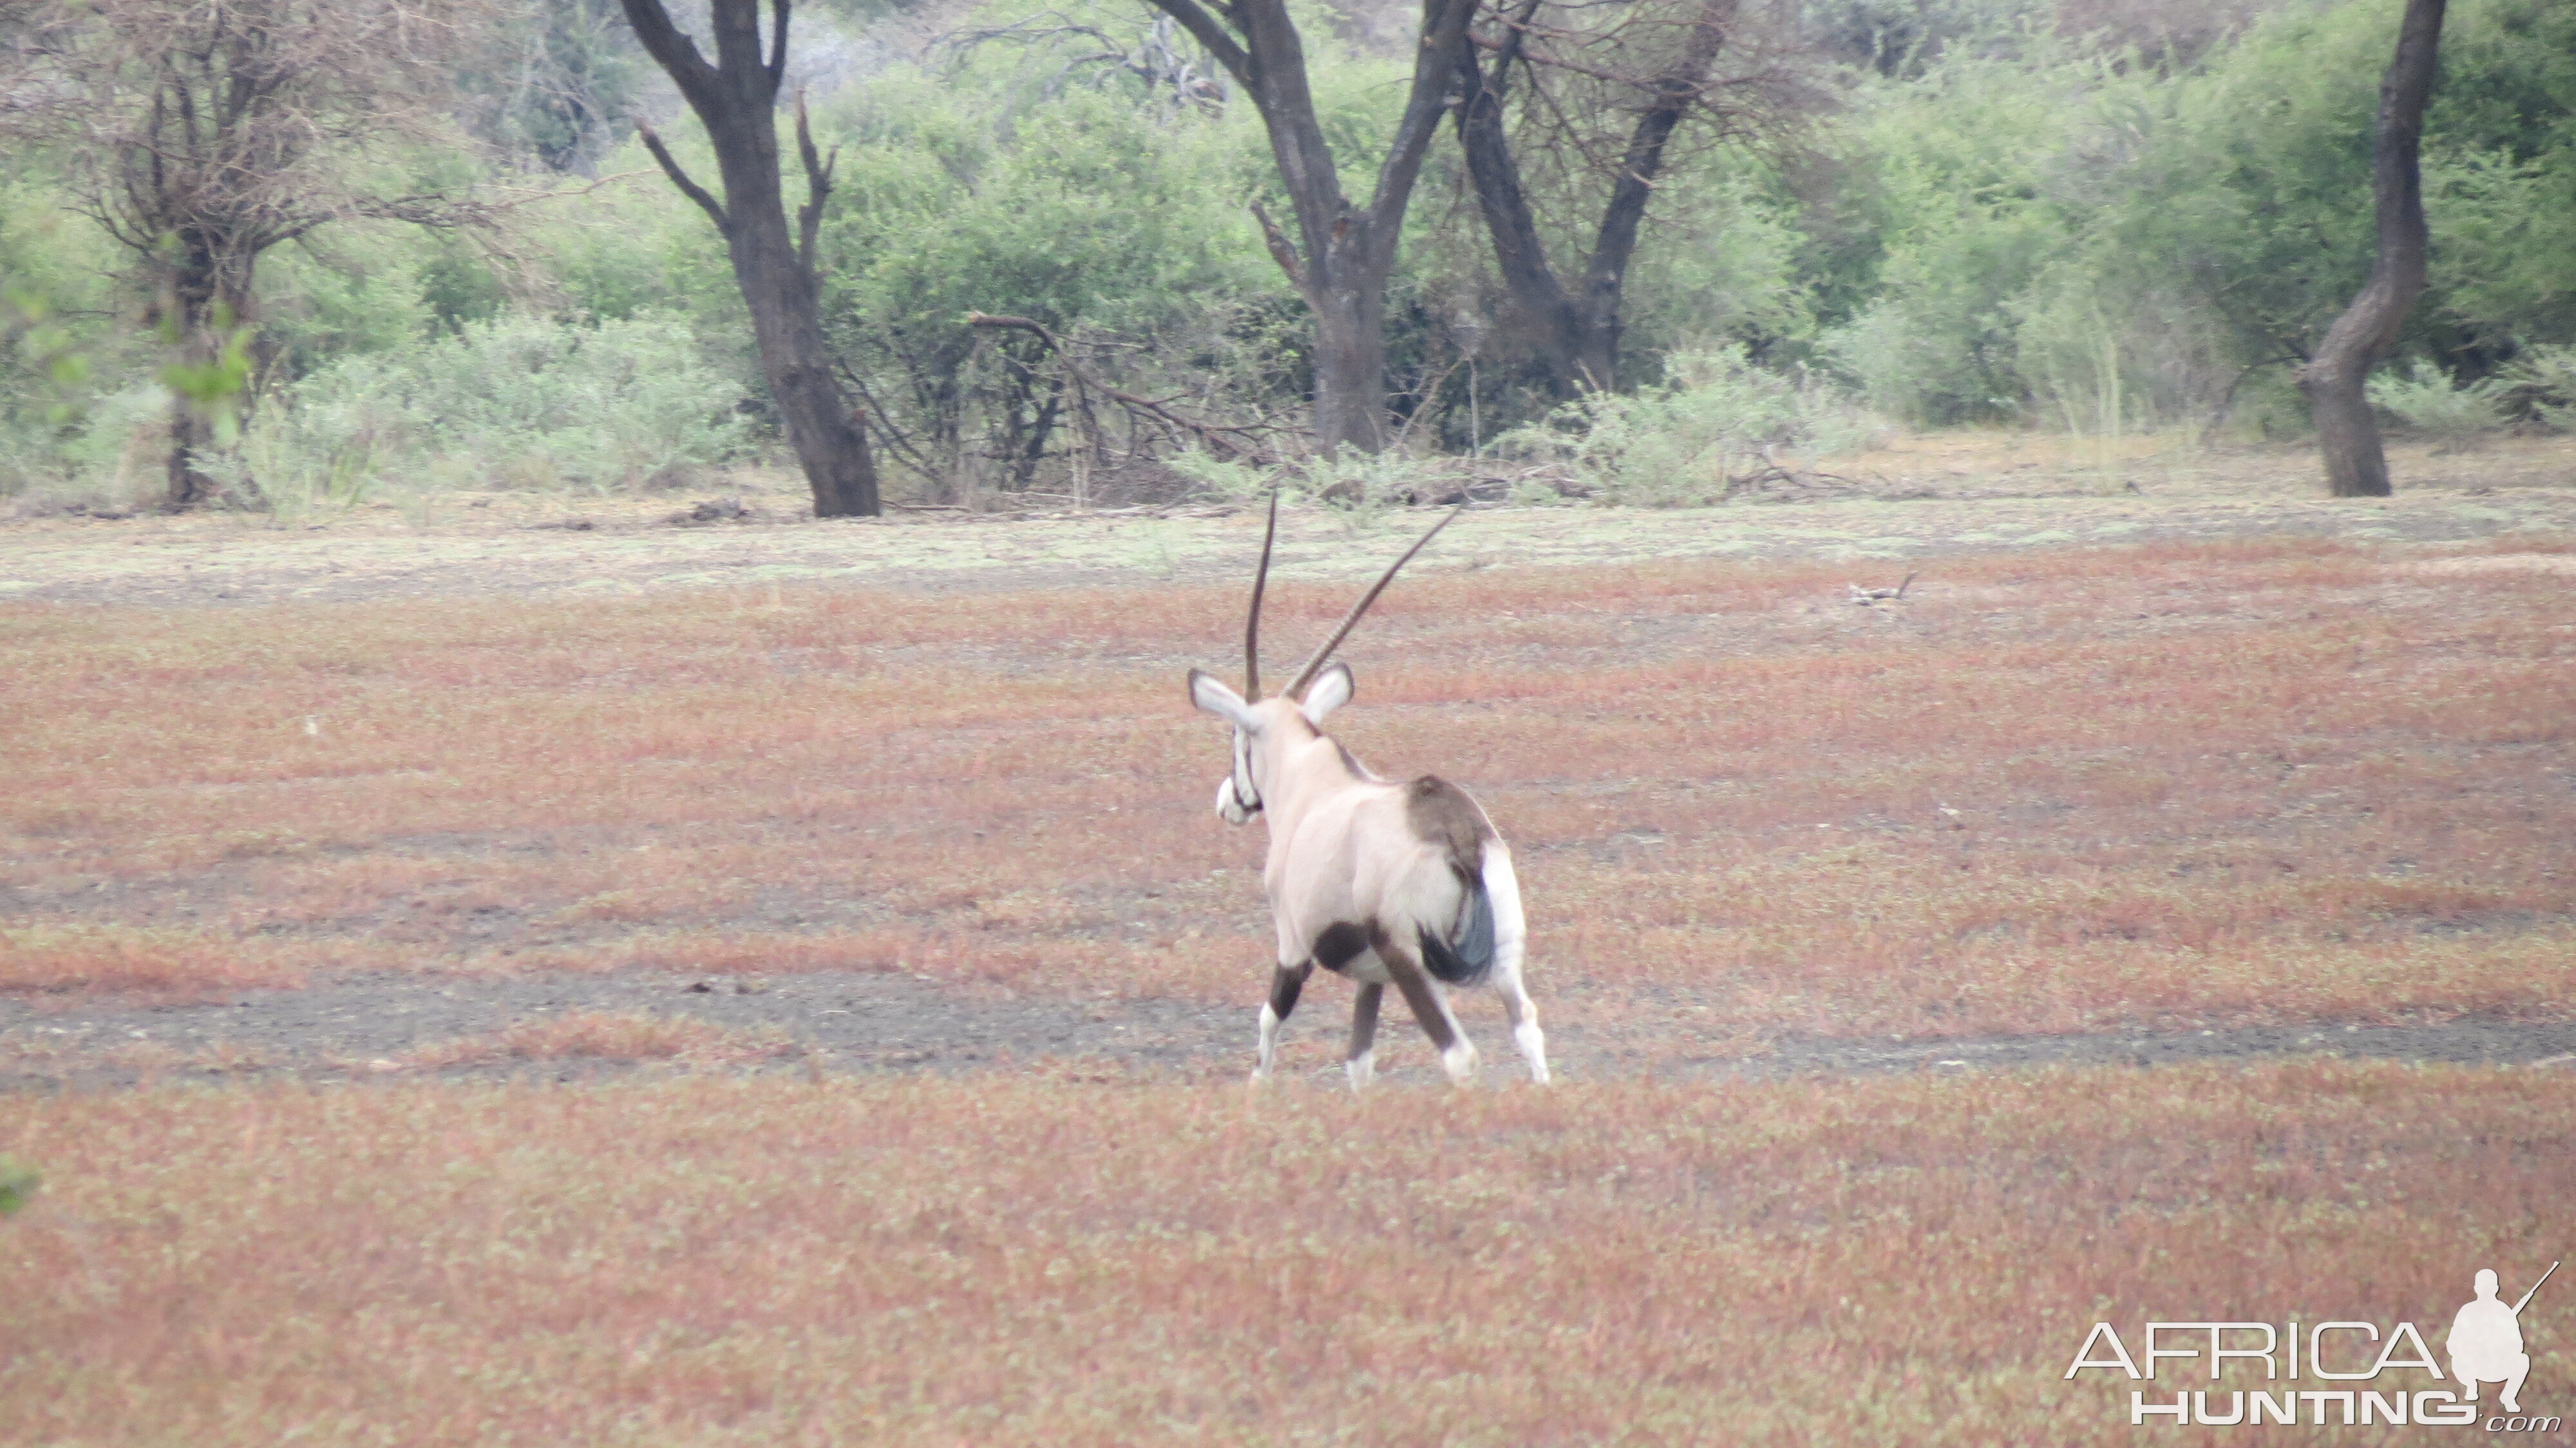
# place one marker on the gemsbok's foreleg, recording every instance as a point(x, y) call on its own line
point(1285, 982)
point(1362, 1062)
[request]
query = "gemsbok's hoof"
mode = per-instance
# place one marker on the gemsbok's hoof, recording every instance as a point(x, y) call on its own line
point(1460, 1062)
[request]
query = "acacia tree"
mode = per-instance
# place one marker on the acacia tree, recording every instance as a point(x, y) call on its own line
point(200, 133)
point(736, 98)
point(1651, 68)
point(1343, 253)
point(2347, 434)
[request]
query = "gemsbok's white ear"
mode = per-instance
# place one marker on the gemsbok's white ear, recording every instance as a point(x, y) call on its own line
point(1210, 693)
point(1330, 691)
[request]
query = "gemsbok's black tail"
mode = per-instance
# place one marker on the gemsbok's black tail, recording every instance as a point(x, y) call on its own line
point(1464, 961)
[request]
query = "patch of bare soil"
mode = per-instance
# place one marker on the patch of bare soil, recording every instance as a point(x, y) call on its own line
point(392, 1027)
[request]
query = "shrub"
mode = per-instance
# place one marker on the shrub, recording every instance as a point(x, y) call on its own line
point(2427, 402)
point(2541, 384)
point(1357, 487)
point(1718, 422)
point(519, 401)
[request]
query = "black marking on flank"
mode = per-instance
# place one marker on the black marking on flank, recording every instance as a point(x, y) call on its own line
point(1339, 945)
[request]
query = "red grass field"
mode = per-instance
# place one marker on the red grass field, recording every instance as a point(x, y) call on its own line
point(2172, 786)
point(2052, 791)
point(1023, 1261)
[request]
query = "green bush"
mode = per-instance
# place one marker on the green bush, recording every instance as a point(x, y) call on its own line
point(520, 401)
point(2428, 402)
point(979, 185)
point(1717, 423)
point(2541, 384)
point(2064, 235)
point(2003, 218)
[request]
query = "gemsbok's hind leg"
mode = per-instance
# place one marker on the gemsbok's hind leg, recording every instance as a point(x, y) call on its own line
point(1362, 1062)
point(1510, 936)
point(1457, 1053)
point(1285, 982)
point(1525, 1031)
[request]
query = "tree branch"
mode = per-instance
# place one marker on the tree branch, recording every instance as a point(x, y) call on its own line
point(680, 178)
point(1208, 32)
point(1444, 37)
point(1675, 91)
point(818, 185)
point(1282, 250)
point(901, 440)
point(778, 45)
point(1519, 251)
point(674, 52)
point(1208, 436)
point(1017, 324)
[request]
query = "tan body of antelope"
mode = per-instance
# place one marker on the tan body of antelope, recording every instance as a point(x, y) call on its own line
point(1401, 883)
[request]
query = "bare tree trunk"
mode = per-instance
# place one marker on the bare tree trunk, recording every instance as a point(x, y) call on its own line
point(1547, 320)
point(1577, 336)
point(1342, 254)
point(189, 304)
point(2347, 434)
point(192, 437)
point(204, 296)
point(736, 99)
point(1350, 364)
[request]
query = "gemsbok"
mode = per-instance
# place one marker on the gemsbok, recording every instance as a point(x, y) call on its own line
point(1384, 881)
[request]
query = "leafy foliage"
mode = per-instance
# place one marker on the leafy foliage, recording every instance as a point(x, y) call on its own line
point(2429, 402)
point(1108, 218)
point(1715, 424)
point(518, 401)
point(2038, 208)
point(2017, 214)
point(2542, 383)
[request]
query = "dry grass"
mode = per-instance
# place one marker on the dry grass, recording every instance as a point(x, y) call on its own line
point(629, 1036)
point(140, 1058)
point(58, 957)
point(2055, 789)
point(712, 1260)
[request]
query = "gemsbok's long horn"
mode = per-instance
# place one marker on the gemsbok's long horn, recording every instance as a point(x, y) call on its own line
point(1351, 619)
point(1252, 624)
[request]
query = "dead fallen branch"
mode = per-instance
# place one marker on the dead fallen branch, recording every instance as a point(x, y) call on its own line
point(1871, 597)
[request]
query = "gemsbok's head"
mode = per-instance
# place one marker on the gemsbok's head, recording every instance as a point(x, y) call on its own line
point(1386, 882)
